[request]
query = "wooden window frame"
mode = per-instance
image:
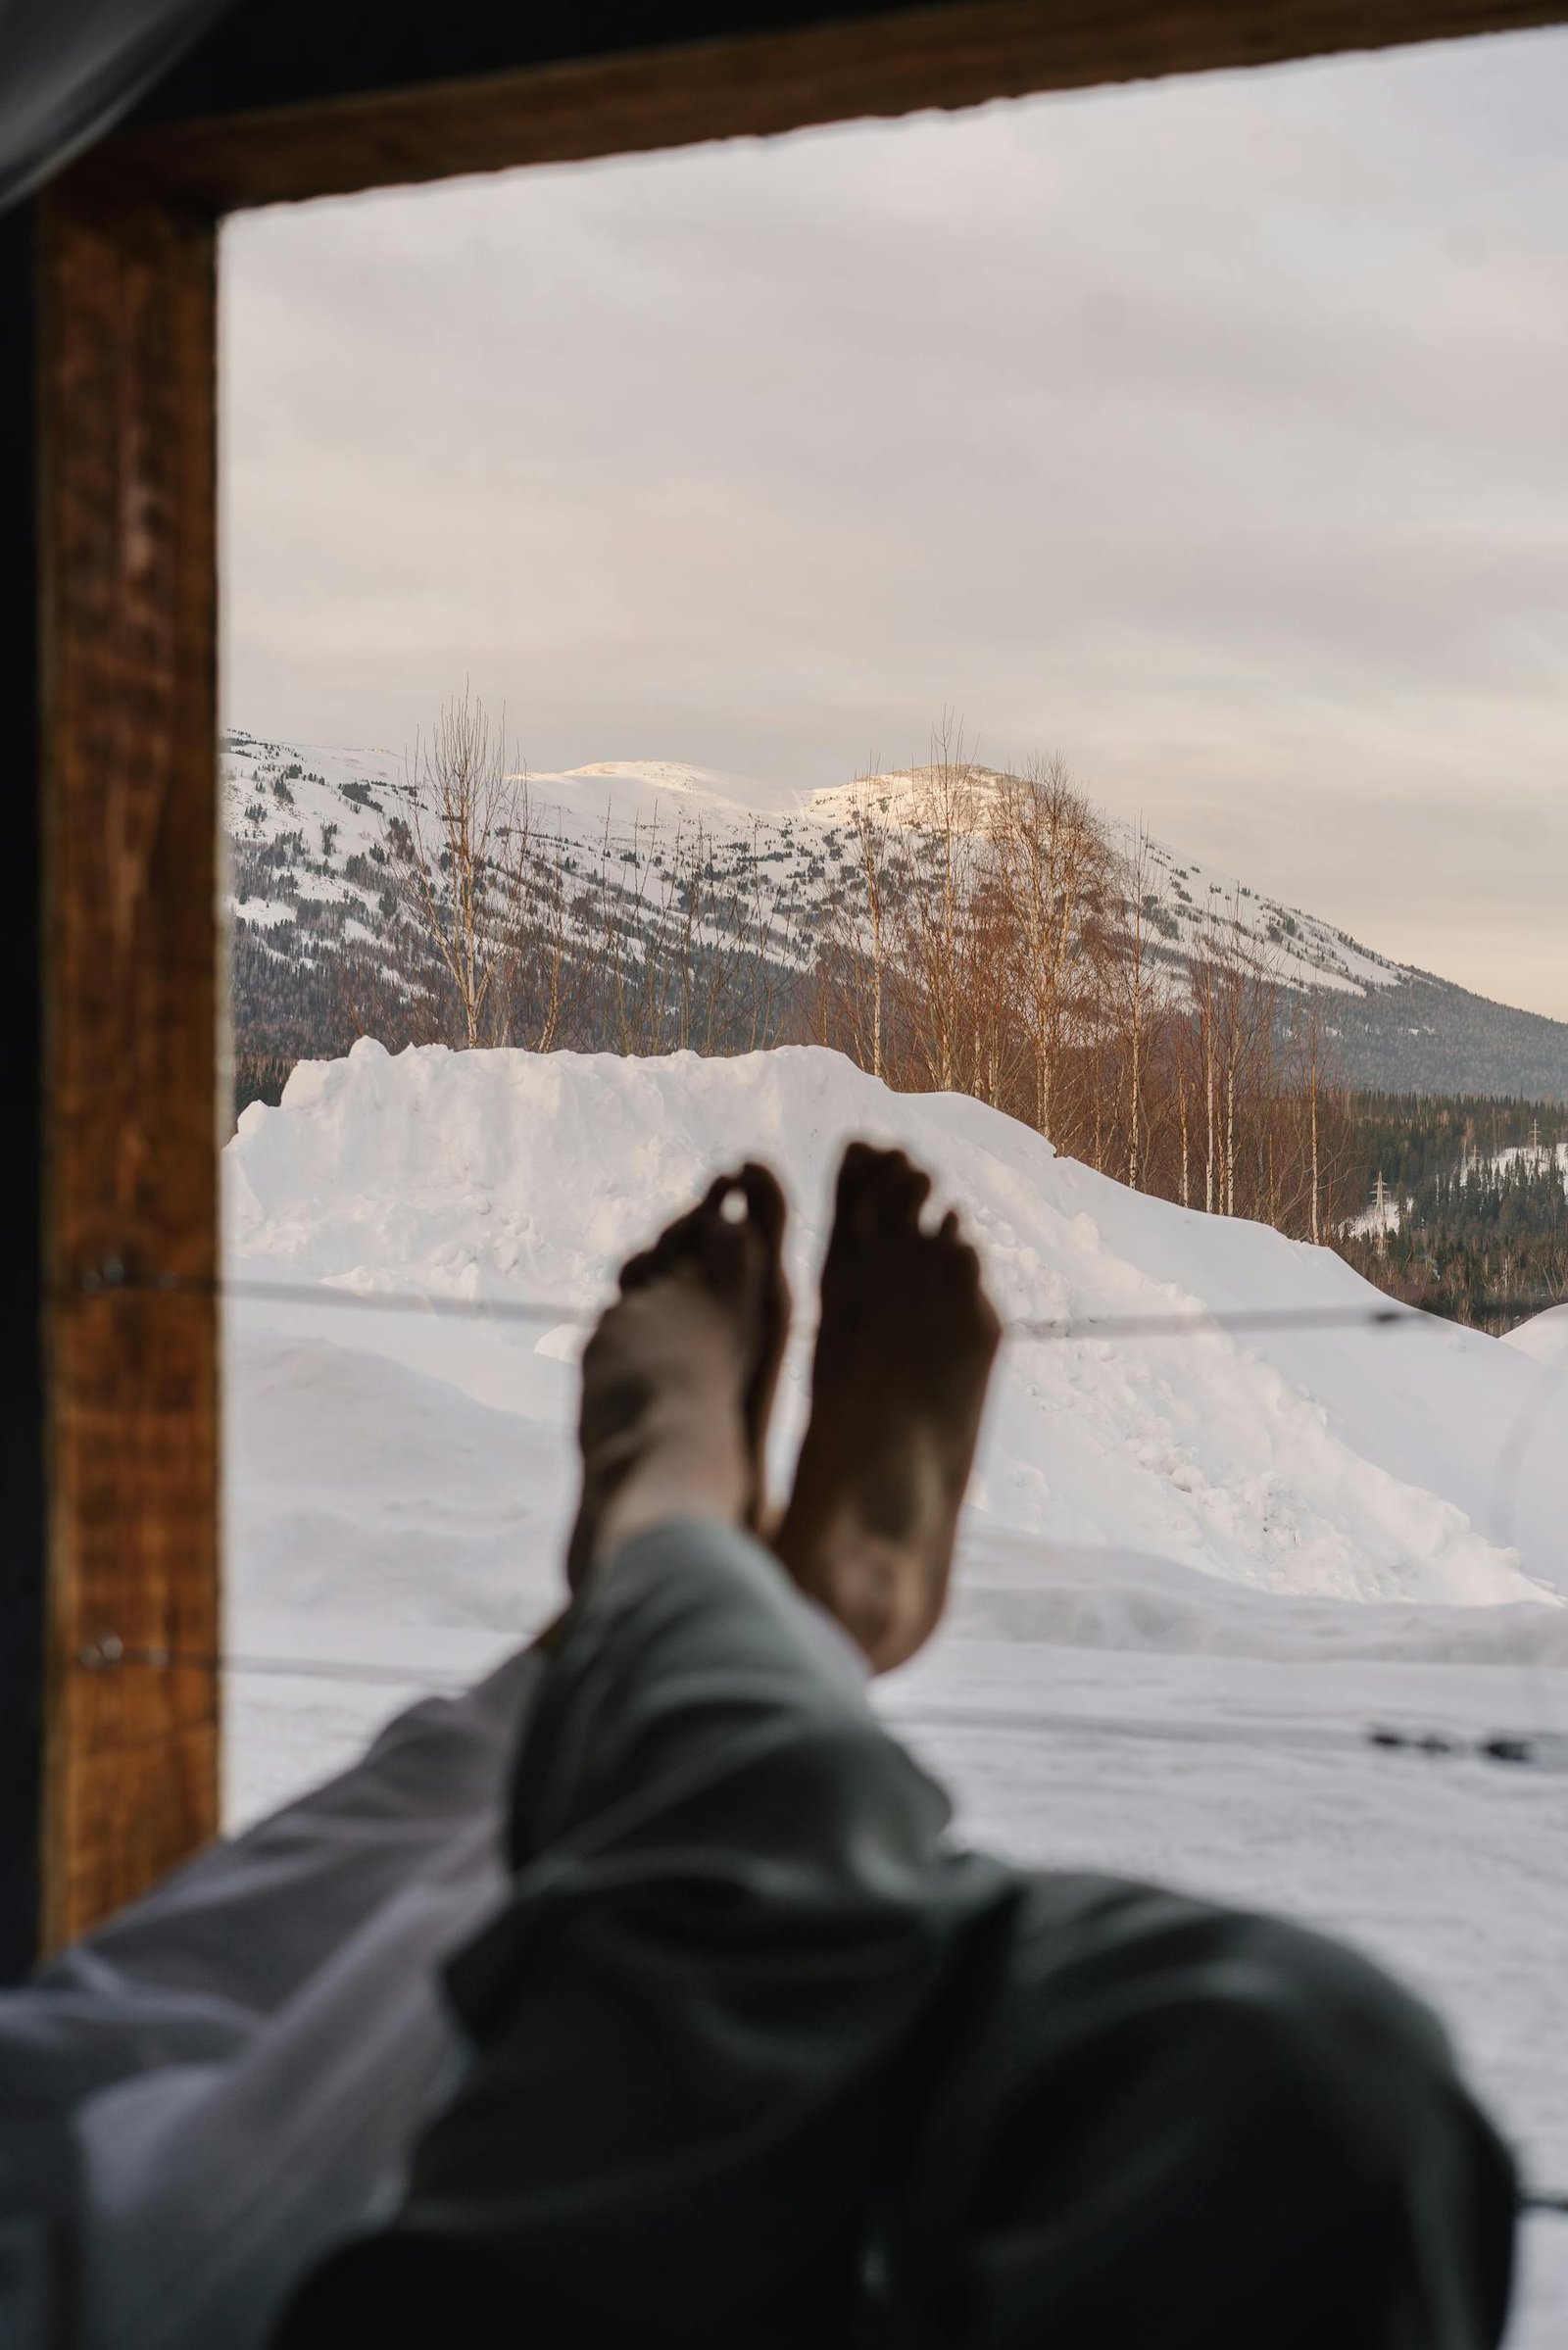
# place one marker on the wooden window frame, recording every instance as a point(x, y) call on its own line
point(127, 632)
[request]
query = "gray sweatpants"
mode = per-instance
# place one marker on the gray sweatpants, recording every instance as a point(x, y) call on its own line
point(759, 2059)
point(224, 2080)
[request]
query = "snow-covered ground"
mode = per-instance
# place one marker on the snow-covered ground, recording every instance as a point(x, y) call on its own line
point(1194, 1570)
point(1543, 1337)
point(1530, 1158)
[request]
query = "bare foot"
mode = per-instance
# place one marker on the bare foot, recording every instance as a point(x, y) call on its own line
point(678, 1379)
point(904, 1355)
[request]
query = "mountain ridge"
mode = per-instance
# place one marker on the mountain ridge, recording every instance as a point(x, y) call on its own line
point(310, 894)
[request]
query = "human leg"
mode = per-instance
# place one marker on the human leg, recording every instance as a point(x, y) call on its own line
point(1154, 2122)
point(186, 1975)
point(742, 1995)
point(904, 1353)
point(209, 2189)
point(199, 2097)
point(733, 1918)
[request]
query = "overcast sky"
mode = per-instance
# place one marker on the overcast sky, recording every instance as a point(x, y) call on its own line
point(1212, 433)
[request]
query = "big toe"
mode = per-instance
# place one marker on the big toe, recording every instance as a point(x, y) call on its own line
point(707, 1239)
point(767, 1209)
point(766, 1214)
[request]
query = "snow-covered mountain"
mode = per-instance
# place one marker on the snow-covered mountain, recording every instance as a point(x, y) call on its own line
point(313, 904)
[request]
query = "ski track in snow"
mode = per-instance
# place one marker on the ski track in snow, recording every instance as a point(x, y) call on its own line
point(1192, 1573)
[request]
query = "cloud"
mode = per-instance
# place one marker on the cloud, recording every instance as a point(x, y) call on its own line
point(1210, 431)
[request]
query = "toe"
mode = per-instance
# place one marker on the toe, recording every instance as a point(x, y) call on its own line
point(636, 1271)
point(765, 1205)
point(686, 1238)
point(855, 1201)
point(677, 1239)
point(767, 1213)
point(906, 1190)
point(730, 1253)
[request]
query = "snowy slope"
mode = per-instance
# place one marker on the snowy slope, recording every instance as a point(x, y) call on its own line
point(1543, 1337)
point(1304, 952)
point(654, 787)
point(352, 791)
point(1343, 1463)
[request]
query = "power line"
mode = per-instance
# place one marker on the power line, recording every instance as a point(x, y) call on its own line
point(110, 1653)
point(112, 1277)
point(1517, 1749)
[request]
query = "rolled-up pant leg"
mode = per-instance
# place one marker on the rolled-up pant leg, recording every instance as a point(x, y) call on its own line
point(1165, 2123)
point(697, 2018)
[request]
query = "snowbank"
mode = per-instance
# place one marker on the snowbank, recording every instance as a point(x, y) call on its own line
point(1357, 1463)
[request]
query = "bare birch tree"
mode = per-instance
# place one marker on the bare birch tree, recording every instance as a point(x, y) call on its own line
point(1056, 869)
point(1136, 986)
point(937, 909)
point(459, 847)
point(872, 837)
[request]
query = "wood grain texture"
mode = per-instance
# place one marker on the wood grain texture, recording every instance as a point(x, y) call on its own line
point(761, 83)
point(22, 1482)
point(129, 597)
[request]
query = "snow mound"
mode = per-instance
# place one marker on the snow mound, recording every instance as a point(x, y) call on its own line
point(1543, 1339)
point(1346, 1463)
